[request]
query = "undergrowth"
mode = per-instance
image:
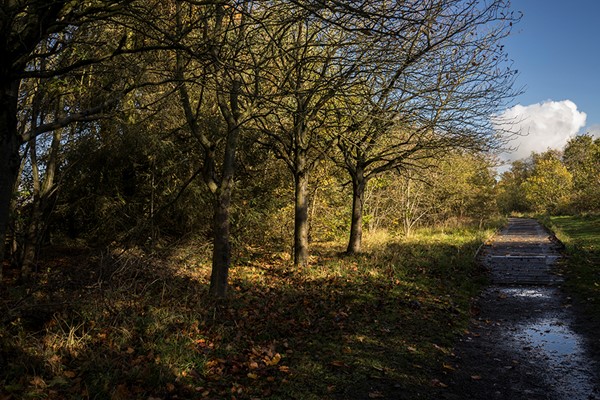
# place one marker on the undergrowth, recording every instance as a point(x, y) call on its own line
point(124, 324)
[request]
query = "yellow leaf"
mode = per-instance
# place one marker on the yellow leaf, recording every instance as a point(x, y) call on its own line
point(274, 361)
point(252, 375)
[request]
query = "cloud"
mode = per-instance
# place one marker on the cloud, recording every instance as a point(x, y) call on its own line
point(540, 126)
point(594, 130)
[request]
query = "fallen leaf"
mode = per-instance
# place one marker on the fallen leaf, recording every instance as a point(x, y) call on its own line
point(70, 374)
point(438, 383)
point(252, 375)
point(340, 364)
point(274, 361)
point(170, 387)
point(449, 367)
point(476, 377)
point(38, 381)
point(411, 349)
point(376, 395)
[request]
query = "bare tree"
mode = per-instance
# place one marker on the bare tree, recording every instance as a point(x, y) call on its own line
point(434, 88)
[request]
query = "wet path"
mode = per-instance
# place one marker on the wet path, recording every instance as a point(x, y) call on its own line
point(523, 343)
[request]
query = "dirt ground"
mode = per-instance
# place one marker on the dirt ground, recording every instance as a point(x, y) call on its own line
point(527, 339)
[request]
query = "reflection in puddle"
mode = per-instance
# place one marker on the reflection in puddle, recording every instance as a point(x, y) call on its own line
point(525, 292)
point(562, 351)
point(553, 338)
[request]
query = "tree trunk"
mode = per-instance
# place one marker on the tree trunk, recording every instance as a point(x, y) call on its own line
point(222, 246)
point(43, 189)
point(10, 159)
point(359, 184)
point(301, 219)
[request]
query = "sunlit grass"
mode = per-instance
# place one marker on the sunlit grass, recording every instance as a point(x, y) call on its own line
point(581, 236)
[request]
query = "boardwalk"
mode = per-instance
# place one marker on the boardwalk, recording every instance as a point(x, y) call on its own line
point(524, 342)
point(524, 253)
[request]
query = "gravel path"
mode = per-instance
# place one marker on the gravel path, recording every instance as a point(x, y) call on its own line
point(524, 342)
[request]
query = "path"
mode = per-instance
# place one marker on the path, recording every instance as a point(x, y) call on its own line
point(524, 342)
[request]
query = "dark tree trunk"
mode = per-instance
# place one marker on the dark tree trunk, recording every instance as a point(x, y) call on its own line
point(10, 159)
point(359, 184)
point(301, 219)
point(222, 246)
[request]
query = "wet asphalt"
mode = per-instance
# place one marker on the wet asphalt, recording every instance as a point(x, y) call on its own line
point(524, 341)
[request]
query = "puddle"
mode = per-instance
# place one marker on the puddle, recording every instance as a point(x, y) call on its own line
point(561, 355)
point(526, 292)
point(553, 339)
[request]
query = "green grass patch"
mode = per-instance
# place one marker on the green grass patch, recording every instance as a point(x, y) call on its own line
point(128, 325)
point(581, 236)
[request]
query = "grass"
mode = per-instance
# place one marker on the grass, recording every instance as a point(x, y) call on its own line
point(581, 236)
point(124, 325)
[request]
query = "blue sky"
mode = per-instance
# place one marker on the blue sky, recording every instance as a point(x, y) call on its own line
point(556, 48)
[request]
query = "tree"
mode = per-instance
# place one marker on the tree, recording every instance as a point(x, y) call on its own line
point(549, 186)
point(24, 26)
point(437, 90)
point(314, 62)
point(511, 196)
point(581, 156)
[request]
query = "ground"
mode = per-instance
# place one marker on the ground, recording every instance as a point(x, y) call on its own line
point(528, 339)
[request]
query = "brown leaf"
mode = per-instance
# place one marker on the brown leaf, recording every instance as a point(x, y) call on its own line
point(438, 383)
point(339, 364)
point(70, 374)
point(449, 367)
point(38, 381)
point(376, 395)
point(476, 377)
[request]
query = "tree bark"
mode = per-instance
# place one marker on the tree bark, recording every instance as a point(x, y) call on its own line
point(301, 218)
point(222, 247)
point(10, 159)
point(359, 183)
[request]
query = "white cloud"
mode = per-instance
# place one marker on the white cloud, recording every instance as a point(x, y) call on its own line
point(540, 126)
point(594, 130)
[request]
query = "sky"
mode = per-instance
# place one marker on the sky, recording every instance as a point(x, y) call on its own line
point(556, 49)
